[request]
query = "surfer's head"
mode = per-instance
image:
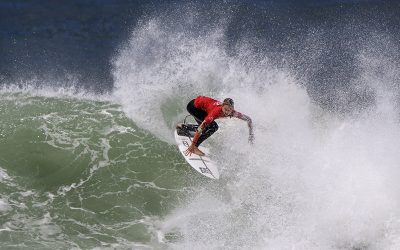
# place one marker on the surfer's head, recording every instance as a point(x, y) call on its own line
point(228, 106)
point(229, 102)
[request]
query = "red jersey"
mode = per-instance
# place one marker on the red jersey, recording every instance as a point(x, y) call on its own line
point(214, 109)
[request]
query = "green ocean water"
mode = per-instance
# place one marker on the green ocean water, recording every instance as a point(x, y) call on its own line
point(78, 173)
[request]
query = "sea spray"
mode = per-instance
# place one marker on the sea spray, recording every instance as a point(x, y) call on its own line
point(314, 179)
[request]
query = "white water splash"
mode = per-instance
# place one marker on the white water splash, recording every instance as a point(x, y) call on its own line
point(312, 180)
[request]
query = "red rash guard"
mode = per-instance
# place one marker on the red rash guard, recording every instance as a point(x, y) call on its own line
point(214, 109)
point(211, 106)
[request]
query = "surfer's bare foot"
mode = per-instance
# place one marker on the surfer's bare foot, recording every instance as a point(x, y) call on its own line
point(197, 151)
point(179, 126)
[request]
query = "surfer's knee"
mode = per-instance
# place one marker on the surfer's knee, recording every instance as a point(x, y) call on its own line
point(214, 127)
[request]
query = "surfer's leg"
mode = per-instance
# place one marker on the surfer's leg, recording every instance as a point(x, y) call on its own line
point(208, 131)
point(198, 114)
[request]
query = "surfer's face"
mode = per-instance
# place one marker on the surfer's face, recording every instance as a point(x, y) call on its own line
point(227, 109)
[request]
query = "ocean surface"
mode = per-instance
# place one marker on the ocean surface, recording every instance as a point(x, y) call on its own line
point(90, 92)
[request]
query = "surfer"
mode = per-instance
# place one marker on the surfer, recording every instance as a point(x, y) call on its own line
point(206, 110)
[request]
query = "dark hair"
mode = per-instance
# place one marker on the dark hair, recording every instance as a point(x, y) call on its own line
point(228, 101)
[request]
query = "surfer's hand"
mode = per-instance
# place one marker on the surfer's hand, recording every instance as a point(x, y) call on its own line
point(189, 151)
point(251, 139)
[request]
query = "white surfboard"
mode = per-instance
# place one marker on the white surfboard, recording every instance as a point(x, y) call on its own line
point(202, 164)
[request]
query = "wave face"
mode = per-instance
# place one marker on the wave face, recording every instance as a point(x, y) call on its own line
point(80, 174)
point(84, 168)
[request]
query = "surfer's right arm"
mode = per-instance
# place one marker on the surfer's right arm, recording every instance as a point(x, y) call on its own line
point(198, 133)
point(192, 146)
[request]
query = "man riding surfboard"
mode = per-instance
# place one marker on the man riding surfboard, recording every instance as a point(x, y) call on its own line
point(206, 110)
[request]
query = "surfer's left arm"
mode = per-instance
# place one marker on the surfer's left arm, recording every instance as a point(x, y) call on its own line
point(249, 124)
